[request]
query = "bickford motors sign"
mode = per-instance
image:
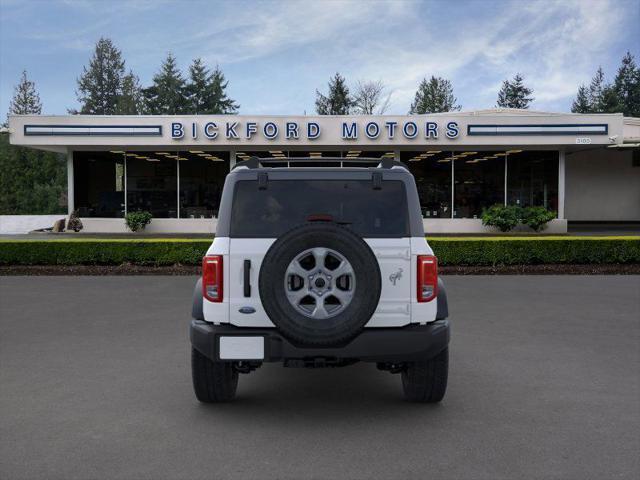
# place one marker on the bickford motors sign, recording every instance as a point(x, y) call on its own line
point(310, 130)
point(233, 131)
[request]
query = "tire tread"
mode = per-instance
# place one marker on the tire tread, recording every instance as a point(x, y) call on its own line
point(213, 382)
point(426, 381)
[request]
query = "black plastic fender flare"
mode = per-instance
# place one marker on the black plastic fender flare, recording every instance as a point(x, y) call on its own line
point(443, 306)
point(196, 307)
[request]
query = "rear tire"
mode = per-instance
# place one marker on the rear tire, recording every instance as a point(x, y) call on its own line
point(213, 382)
point(426, 381)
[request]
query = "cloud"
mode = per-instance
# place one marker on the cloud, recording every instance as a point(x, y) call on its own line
point(287, 26)
point(277, 53)
point(553, 44)
point(556, 47)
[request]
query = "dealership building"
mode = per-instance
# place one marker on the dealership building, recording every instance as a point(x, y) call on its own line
point(586, 168)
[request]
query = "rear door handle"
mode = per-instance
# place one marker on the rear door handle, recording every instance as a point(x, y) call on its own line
point(247, 278)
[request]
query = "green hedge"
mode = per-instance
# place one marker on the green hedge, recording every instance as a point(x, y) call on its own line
point(450, 251)
point(532, 251)
point(102, 252)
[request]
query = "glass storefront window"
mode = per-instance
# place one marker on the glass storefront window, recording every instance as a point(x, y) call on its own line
point(99, 184)
point(532, 179)
point(201, 180)
point(152, 178)
point(478, 182)
point(152, 184)
point(432, 171)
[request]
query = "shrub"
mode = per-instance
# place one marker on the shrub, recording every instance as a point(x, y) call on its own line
point(74, 223)
point(537, 217)
point(504, 218)
point(508, 217)
point(137, 220)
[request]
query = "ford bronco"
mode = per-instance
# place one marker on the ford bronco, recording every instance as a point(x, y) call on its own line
point(320, 266)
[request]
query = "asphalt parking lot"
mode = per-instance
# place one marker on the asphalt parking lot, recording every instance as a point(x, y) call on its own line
point(544, 383)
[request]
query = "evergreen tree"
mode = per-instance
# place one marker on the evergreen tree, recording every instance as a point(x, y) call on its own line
point(100, 85)
point(25, 99)
point(596, 91)
point(433, 96)
point(167, 95)
point(602, 97)
point(206, 92)
point(627, 86)
point(514, 94)
point(337, 101)
point(31, 181)
point(581, 104)
point(219, 102)
point(592, 99)
point(610, 101)
point(196, 89)
point(130, 101)
point(621, 96)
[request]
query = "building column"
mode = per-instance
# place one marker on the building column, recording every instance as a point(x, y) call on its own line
point(561, 177)
point(396, 155)
point(506, 171)
point(125, 186)
point(177, 188)
point(70, 183)
point(232, 159)
point(453, 185)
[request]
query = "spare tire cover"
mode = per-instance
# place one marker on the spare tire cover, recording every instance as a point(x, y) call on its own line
point(320, 284)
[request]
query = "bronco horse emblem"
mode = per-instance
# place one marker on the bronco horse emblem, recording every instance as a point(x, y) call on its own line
point(394, 277)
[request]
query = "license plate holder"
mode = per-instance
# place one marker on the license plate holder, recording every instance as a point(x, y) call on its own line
point(240, 347)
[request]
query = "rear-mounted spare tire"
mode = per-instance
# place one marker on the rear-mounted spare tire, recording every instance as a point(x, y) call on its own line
point(320, 284)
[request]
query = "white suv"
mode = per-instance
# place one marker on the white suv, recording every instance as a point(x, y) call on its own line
point(319, 267)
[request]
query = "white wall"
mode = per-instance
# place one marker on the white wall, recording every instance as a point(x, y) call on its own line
point(157, 225)
point(602, 185)
point(13, 224)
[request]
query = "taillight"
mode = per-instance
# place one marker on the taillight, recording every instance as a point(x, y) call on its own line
point(427, 278)
point(212, 278)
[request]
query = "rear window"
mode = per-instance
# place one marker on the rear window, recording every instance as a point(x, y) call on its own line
point(284, 204)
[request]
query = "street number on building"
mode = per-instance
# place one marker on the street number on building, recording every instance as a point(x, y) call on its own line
point(583, 141)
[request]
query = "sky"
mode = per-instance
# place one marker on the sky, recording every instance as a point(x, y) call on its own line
point(275, 54)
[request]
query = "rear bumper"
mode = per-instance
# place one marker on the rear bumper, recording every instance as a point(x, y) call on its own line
point(410, 343)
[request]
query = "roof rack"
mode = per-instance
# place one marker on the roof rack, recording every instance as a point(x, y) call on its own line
point(257, 162)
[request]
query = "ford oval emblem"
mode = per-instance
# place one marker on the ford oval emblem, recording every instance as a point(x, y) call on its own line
point(247, 310)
